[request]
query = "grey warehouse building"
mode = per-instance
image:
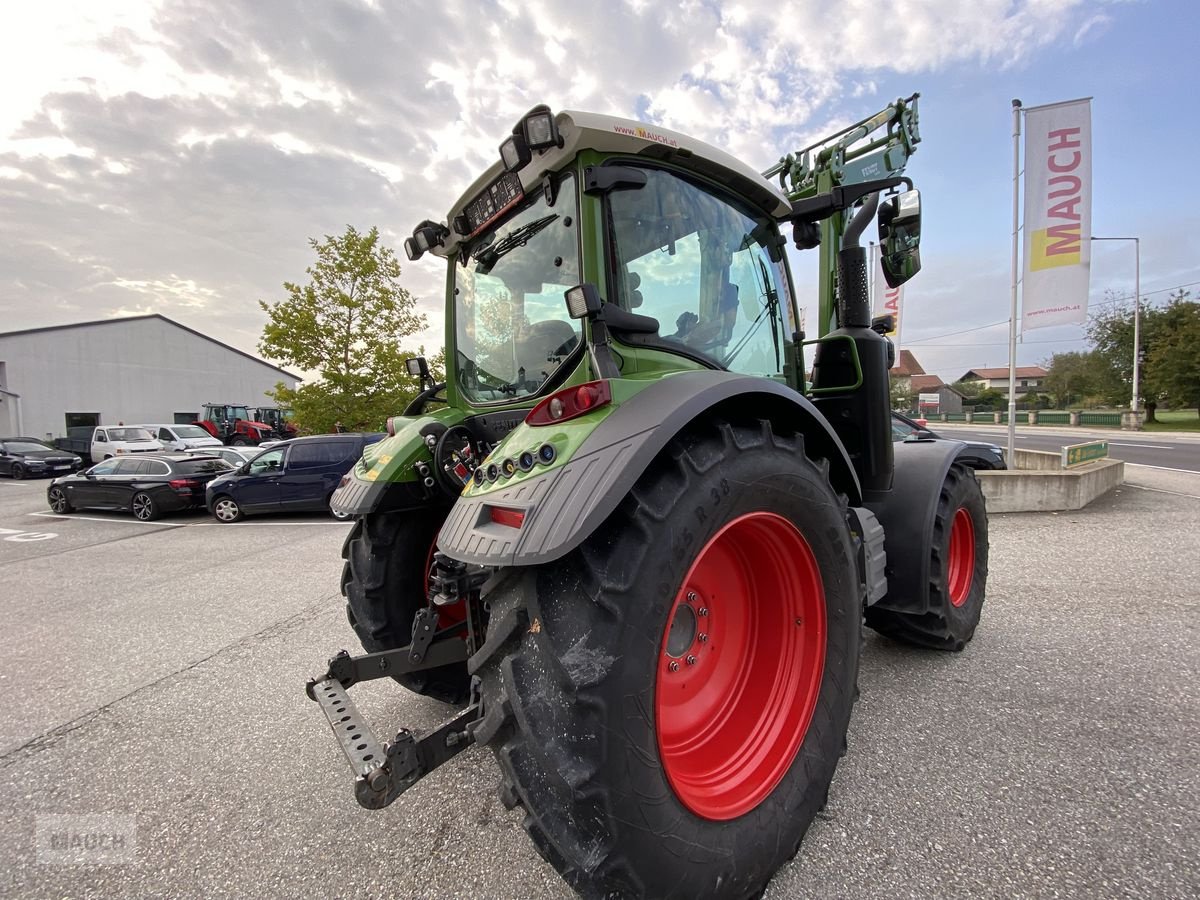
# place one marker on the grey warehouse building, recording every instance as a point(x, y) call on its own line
point(134, 369)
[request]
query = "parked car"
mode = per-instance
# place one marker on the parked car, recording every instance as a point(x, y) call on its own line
point(977, 454)
point(102, 441)
point(235, 456)
point(182, 437)
point(296, 475)
point(22, 457)
point(147, 486)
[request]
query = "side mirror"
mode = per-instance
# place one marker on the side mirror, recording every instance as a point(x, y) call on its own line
point(900, 237)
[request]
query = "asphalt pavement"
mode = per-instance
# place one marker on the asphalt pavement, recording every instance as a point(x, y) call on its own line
point(154, 674)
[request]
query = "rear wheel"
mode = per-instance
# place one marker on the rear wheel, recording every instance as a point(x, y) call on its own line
point(58, 500)
point(669, 702)
point(385, 580)
point(958, 566)
point(144, 508)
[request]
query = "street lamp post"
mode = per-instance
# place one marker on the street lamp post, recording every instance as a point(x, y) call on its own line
point(1135, 401)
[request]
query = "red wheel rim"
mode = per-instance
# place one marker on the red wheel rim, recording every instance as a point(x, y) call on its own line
point(740, 665)
point(962, 557)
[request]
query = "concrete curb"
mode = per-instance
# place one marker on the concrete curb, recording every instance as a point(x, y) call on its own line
point(1040, 484)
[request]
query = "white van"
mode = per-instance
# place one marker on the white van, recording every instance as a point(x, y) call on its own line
point(117, 440)
point(182, 437)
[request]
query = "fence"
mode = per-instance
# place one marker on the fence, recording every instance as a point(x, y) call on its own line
point(1100, 418)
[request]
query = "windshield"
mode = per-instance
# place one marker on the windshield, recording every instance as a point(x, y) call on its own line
point(129, 434)
point(703, 267)
point(511, 324)
point(23, 447)
point(191, 431)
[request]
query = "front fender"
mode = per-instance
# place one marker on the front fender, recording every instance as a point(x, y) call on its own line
point(384, 478)
point(565, 504)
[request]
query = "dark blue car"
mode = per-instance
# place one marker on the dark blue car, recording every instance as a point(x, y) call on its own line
point(293, 476)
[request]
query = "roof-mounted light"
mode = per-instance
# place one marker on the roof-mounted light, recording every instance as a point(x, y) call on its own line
point(514, 153)
point(539, 129)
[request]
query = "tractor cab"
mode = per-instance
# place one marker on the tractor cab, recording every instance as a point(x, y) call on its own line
point(232, 424)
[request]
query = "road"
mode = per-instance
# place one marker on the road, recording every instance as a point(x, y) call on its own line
point(1168, 451)
point(154, 673)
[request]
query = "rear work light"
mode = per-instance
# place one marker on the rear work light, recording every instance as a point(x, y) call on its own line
point(570, 403)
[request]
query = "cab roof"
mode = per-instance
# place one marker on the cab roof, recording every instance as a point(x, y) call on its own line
point(611, 134)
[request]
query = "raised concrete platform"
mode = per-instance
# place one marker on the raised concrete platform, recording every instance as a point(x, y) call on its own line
point(1040, 484)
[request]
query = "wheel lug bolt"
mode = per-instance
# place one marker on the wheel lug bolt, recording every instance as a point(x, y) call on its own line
point(703, 611)
point(673, 665)
point(691, 597)
point(702, 638)
point(691, 660)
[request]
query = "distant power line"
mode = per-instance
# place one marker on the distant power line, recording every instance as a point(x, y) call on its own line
point(1111, 301)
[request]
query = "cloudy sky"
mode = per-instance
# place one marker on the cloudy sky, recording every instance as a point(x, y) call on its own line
point(175, 157)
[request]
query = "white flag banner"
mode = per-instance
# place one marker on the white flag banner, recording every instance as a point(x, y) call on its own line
point(1058, 214)
point(887, 299)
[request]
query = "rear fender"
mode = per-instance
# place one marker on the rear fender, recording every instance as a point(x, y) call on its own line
point(565, 504)
point(907, 515)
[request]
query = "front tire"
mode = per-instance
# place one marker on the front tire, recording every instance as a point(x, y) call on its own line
point(385, 580)
point(650, 761)
point(958, 567)
point(144, 508)
point(226, 510)
point(18, 471)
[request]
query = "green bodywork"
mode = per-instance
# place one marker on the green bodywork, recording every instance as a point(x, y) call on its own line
point(808, 172)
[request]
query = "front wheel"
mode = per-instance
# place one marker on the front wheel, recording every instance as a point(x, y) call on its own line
point(958, 567)
point(669, 701)
point(239, 442)
point(226, 510)
point(18, 471)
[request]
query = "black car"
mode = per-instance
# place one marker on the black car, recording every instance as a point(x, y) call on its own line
point(293, 476)
point(977, 454)
point(148, 486)
point(22, 457)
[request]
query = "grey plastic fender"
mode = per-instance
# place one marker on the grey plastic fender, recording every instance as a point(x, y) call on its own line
point(907, 514)
point(565, 505)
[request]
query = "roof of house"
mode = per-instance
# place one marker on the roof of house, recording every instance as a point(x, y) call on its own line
point(907, 365)
point(926, 382)
point(117, 319)
point(1002, 372)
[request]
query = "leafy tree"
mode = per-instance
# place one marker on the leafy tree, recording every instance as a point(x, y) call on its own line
point(1173, 364)
point(903, 396)
point(1072, 376)
point(988, 398)
point(345, 325)
point(1111, 331)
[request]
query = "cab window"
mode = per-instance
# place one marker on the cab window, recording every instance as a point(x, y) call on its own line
point(266, 462)
point(701, 264)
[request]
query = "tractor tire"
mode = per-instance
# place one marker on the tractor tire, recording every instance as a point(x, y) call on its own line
point(385, 582)
point(668, 702)
point(958, 567)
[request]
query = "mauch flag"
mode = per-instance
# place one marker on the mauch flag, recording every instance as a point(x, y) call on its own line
point(1058, 214)
point(887, 299)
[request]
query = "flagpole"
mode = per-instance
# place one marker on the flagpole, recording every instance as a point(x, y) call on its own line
point(1012, 319)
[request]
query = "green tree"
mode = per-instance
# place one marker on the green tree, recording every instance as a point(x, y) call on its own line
point(1173, 364)
point(1111, 331)
point(346, 326)
point(1072, 376)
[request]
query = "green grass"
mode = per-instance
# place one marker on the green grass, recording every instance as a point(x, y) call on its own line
point(1175, 420)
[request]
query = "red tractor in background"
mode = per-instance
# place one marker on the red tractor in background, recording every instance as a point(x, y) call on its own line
point(232, 424)
point(277, 419)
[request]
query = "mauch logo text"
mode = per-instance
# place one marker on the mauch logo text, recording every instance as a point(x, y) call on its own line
point(89, 839)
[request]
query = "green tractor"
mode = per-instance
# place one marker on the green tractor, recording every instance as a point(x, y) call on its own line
point(629, 536)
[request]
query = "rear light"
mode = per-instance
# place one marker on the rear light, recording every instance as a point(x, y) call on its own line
point(513, 518)
point(570, 403)
point(184, 483)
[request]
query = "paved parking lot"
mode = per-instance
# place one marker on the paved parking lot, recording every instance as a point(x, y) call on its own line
point(155, 672)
